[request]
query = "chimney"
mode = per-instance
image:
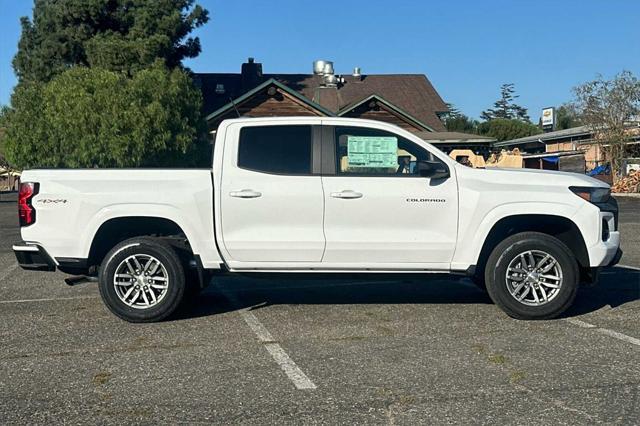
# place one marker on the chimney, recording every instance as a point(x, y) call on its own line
point(326, 94)
point(251, 74)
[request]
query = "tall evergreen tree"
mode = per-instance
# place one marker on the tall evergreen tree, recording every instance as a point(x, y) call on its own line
point(505, 107)
point(456, 121)
point(117, 35)
point(101, 83)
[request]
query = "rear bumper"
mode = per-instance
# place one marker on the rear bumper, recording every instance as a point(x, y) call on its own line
point(33, 257)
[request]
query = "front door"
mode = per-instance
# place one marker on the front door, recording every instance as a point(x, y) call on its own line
point(379, 211)
point(271, 199)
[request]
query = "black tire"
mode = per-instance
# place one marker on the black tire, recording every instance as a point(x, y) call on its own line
point(175, 288)
point(508, 250)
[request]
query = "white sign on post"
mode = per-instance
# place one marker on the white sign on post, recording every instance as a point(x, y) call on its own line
point(548, 117)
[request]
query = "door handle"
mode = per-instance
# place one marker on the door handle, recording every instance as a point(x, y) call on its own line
point(347, 194)
point(245, 193)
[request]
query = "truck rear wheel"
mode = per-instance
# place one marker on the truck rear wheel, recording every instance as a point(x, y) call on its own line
point(142, 280)
point(532, 276)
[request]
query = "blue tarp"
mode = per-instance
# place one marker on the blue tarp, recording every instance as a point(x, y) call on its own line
point(553, 160)
point(600, 170)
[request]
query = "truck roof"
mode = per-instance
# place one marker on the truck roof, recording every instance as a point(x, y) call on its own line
point(306, 119)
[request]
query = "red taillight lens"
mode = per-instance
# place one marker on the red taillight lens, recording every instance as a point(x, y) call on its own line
point(26, 212)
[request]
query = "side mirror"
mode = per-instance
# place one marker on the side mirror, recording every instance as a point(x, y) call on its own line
point(433, 169)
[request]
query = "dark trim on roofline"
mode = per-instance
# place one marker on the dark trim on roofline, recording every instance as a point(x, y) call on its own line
point(388, 104)
point(241, 99)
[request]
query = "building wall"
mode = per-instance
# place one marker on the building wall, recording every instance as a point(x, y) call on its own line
point(559, 146)
point(593, 155)
point(281, 104)
point(262, 104)
point(380, 113)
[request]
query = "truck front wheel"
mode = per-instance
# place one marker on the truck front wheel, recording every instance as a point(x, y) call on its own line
point(532, 276)
point(142, 280)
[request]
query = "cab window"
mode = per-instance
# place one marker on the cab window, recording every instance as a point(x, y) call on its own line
point(276, 149)
point(364, 151)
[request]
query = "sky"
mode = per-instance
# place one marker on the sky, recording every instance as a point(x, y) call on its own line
point(467, 48)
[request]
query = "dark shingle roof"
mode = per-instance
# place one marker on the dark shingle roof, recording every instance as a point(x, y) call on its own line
point(449, 137)
point(412, 93)
point(549, 136)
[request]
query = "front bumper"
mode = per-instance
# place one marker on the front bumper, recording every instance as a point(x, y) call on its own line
point(616, 258)
point(33, 257)
point(605, 252)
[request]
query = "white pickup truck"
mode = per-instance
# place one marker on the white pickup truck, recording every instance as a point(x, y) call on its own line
point(318, 195)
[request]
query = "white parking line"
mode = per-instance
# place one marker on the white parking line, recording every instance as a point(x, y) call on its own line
point(8, 271)
point(293, 372)
point(580, 323)
point(606, 331)
point(620, 336)
point(53, 299)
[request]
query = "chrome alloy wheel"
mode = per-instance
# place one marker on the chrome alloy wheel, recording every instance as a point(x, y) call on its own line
point(534, 278)
point(141, 281)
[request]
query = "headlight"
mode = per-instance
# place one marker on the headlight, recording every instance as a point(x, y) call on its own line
point(592, 194)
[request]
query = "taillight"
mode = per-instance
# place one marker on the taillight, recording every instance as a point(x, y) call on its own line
point(26, 212)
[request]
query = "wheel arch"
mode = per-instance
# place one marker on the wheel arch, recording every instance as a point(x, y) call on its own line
point(560, 227)
point(115, 230)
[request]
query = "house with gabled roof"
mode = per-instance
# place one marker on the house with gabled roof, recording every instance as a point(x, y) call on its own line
point(407, 100)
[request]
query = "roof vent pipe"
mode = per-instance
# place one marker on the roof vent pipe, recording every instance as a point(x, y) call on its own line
point(321, 67)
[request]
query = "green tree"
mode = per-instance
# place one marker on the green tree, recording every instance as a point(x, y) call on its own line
point(567, 116)
point(505, 129)
point(100, 83)
point(505, 108)
point(456, 121)
point(609, 107)
point(88, 117)
point(119, 35)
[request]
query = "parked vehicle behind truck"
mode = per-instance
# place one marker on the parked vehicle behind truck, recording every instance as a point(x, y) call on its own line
point(318, 195)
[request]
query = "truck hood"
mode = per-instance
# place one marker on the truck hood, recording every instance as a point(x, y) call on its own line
point(529, 177)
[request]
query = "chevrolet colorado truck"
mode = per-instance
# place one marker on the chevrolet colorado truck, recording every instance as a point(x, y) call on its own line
point(318, 195)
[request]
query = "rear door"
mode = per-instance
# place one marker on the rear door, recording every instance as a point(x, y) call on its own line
point(271, 197)
point(379, 211)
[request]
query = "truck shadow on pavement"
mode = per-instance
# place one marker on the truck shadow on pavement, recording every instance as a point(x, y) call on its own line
point(228, 294)
point(617, 286)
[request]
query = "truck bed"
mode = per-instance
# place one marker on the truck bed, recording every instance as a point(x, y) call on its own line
point(72, 204)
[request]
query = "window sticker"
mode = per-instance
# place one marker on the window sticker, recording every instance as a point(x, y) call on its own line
point(372, 151)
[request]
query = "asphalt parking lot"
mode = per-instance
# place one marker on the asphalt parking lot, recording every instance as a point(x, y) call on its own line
point(358, 350)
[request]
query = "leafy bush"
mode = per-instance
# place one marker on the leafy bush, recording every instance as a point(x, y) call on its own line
point(89, 117)
point(504, 129)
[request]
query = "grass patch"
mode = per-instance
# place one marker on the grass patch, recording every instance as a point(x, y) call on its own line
point(517, 376)
point(497, 359)
point(101, 378)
